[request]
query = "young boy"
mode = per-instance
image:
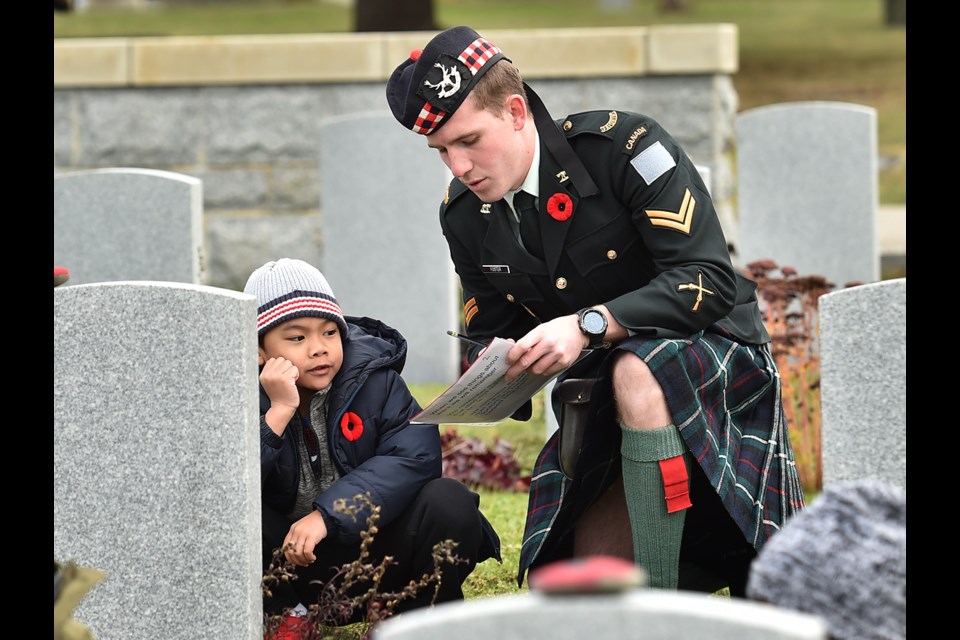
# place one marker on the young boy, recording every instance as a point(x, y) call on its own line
point(334, 423)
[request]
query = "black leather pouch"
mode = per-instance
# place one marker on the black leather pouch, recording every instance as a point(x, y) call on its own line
point(573, 396)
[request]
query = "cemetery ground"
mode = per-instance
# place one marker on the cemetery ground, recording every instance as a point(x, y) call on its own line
point(506, 510)
point(833, 50)
point(789, 51)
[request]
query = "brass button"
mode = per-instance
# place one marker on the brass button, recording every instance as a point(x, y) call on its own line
point(510, 298)
point(561, 283)
point(611, 255)
point(567, 125)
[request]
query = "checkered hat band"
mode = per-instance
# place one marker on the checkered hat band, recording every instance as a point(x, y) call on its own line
point(477, 54)
point(428, 119)
point(295, 305)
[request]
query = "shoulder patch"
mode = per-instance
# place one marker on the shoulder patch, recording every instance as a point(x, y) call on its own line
point(653, 162)
point(638, 133)
point(610, 123)
point(591, 122)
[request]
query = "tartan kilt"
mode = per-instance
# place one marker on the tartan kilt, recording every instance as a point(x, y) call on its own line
point(725, 399)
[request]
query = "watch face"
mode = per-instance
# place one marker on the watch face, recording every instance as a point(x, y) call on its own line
point(593, 322)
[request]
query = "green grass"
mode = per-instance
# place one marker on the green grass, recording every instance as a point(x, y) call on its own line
point(790, 50)
point(505, 510)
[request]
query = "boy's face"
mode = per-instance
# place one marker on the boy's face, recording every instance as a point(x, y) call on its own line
point(312, 344)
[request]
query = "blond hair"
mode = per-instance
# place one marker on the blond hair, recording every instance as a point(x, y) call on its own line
point(501, 80)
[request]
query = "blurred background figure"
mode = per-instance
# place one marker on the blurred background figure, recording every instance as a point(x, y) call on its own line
point(843, 558)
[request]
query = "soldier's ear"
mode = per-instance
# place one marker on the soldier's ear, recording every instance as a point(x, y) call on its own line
point(517, 108)
point(261, 357)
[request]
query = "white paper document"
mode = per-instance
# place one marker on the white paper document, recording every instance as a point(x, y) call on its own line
point(482, 395)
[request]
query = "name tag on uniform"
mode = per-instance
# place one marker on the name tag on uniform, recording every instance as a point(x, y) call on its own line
point(495, 268)
point(653, 162)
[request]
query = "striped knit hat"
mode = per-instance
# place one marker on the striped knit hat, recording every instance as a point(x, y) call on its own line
point(290, 288)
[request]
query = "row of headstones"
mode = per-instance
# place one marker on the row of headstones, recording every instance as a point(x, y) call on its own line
point(156, 475)
point(807, 198)
point(155, 452)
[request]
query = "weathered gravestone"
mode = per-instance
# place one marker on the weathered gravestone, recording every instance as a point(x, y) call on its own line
point(863, 383)
point(646, 614)
point(128, 224)
point(156, 458)
point(384, 254)
point(807, 189)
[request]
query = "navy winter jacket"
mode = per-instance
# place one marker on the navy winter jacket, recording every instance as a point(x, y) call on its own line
point(391, 459)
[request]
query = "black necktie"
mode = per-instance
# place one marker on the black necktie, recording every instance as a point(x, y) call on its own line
point(526, 209)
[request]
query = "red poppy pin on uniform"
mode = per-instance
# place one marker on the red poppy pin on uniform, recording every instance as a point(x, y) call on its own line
point(352, 426)
point(560, 206)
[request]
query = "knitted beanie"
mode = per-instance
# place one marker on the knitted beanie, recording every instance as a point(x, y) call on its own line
point(290, 288)
point(844, 559)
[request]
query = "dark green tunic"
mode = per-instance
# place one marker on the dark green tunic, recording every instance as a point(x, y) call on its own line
point(648, 245)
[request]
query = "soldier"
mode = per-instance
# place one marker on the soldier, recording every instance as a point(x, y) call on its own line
point(597, 232)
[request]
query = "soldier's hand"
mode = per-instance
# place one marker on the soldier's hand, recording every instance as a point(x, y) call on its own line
point(547, 349)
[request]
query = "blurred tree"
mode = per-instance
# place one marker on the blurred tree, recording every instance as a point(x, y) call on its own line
point(895, 12)
point(673, 6)
point(394, 15)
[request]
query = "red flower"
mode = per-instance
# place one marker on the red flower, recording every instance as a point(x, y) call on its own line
point(351, 425)
point(560, 206)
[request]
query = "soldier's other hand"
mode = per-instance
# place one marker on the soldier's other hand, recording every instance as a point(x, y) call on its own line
point(547, 349)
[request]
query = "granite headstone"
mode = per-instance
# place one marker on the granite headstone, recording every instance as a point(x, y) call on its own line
point(863, 383)
point(128, 224)
point(156, 458)
point(807, 189)
point(385, 255)
point(650, 614)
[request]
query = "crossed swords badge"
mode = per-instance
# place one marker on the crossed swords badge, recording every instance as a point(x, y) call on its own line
point(698, 287)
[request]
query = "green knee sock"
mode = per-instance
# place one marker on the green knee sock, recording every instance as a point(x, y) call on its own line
point(656, 533)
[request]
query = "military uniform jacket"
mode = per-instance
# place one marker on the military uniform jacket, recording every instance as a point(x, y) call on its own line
point(644, 240)
point(649, 245)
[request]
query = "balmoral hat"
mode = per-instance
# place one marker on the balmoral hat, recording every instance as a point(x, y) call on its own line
point(426, 89)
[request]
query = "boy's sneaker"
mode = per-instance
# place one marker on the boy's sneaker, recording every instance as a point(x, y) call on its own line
point(290, 628)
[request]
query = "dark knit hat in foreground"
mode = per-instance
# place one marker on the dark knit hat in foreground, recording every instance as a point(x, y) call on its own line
point(290, 288)
point(425, 90)
point(843, 558)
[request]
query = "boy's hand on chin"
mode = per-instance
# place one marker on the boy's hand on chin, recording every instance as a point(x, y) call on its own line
point(279, 380)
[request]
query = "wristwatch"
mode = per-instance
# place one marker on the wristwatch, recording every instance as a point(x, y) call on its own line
point(593, 324)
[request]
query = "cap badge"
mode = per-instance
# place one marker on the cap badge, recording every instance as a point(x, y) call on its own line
point(448, 84)
point(444, 82)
